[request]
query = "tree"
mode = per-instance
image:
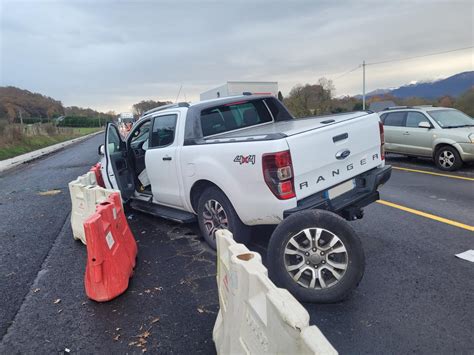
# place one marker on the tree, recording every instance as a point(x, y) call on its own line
point(465, 102)
point(415, 101)
point(446, 101)
point(145, 105)
point(296, 102)
point(345, 104)
point(315, 99)
point(14, 100)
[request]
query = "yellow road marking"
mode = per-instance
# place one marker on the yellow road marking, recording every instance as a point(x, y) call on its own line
point(432, 173)
point(427, 215)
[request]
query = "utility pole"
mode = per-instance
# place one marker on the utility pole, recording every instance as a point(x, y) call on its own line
point(363, 85)
point(179, 92)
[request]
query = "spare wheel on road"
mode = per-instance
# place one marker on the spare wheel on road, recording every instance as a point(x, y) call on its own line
point(317, 256)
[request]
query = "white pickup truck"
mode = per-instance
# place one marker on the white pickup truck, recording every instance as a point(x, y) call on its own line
point(244, 161)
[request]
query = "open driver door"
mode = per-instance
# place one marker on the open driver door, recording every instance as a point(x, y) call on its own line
point(118, 169)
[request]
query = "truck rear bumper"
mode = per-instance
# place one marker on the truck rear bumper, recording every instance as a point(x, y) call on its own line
point(350, 204)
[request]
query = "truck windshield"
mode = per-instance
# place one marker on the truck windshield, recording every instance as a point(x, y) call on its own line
point(451, 118)
point(234, 116)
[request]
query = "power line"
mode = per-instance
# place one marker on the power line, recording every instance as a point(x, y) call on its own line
point(402, 59)
point(347, 72)
point(419, 56)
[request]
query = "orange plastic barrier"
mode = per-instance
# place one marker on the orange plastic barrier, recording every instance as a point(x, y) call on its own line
point(111, 251)
point(98, 176)
point(122, 228)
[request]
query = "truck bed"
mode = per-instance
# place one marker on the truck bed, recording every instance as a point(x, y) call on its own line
point(291, 127)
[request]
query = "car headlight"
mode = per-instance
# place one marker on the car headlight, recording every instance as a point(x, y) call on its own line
point(471, 137)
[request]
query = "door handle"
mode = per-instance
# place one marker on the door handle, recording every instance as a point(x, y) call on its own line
point(406, 134)
point(166, 158)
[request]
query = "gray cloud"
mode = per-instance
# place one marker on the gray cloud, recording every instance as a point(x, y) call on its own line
point(111, 54)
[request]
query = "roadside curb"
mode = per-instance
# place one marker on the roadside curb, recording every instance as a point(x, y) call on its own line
point(24, 158)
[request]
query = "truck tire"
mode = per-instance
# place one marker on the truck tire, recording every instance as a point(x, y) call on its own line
point(447, 158)
point(316, 256)
point(216, 212)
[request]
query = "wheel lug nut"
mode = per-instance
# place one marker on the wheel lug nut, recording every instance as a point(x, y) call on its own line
point(323, 262)
point(307, 262)
point(314, 249)
point(307, 254)
point(322, 253)
point(315, 266)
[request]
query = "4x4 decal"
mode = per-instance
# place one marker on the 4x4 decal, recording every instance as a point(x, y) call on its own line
point(244, 159)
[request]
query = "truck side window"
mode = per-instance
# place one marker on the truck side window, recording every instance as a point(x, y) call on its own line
point(232, 116)
point(279, 112)
point(140, 134)
point(163, 131)
point(113, 140)
point(396, 119)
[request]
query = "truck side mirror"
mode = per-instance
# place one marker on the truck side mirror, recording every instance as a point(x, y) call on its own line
point(101, 150)
point(424, 124)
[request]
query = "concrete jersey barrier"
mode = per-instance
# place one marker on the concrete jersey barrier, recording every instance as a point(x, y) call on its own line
point(255, 316)
point(85, 196)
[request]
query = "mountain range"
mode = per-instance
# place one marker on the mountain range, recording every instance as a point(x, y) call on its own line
point(453, 86)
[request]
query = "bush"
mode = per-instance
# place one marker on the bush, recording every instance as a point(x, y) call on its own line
point(50, 129)
point(77, 121)
point(3, 125)
point(16, 133)
point(29, 120)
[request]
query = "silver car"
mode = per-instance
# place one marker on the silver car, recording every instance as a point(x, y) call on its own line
point(444, 134)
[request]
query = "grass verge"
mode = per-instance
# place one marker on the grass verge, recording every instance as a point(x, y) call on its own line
point(29, 144)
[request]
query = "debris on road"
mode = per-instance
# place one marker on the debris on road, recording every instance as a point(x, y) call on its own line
point(49, 192)
point(140, 343)
point(466, 255)
point(56, 301)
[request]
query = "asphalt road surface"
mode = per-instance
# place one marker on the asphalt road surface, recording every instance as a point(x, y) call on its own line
point(416, 296)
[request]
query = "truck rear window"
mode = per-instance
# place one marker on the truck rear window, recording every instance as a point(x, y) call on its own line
point(233, 116)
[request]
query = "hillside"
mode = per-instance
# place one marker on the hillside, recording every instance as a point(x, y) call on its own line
point(15, 102)
point(453, 86)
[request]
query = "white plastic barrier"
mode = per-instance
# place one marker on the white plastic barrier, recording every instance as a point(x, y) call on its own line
point(87, 179)
point(255, 316)
point(85, 195)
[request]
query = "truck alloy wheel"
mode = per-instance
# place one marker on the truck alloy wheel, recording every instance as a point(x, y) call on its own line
point(214, 218)
point(317, 256)
point(214, 211)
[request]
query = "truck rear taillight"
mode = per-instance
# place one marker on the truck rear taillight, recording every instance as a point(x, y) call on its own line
point(278, 174)
point(382, 141)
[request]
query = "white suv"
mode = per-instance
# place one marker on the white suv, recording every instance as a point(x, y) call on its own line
point(444, 134)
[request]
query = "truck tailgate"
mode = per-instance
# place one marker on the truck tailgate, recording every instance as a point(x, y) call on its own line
point(327, 156)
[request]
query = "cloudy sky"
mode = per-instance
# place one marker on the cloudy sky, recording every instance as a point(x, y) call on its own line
point(109, 55)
